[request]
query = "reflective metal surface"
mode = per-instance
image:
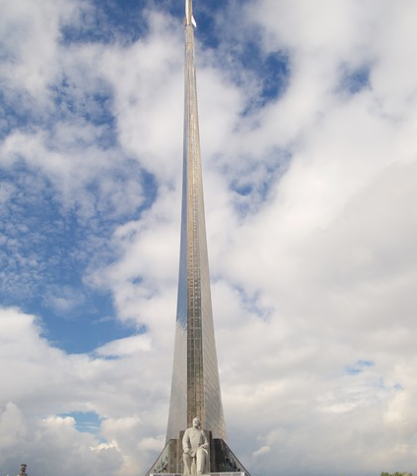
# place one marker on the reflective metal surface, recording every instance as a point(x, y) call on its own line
point(195, 382)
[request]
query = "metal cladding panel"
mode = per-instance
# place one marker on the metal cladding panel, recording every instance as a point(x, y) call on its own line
point(195, 385)
point(178, 405)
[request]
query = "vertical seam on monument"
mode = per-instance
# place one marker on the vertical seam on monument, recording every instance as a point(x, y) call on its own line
point(195, 390)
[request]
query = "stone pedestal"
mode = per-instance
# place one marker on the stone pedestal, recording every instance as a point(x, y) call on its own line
point(222, 460)
point(208, 474)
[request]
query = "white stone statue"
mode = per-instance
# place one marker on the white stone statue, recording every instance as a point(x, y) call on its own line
point(195, 446)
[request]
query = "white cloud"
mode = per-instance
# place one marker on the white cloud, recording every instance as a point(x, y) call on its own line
point(127, 346)
point(146, 78)
point(12, 427)
point(30, 34)
point(76, 383)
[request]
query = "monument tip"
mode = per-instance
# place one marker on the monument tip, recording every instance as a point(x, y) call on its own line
point(189, 18)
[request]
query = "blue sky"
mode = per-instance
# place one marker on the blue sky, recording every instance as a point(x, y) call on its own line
point(308, 121)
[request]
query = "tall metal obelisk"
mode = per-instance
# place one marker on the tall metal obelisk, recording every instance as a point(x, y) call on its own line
point(195, 382)
point(195, 390)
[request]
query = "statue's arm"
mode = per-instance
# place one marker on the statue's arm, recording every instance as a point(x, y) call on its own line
point(205, 440)
point(186, 446)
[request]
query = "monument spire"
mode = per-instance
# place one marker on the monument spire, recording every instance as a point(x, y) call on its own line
point(195, 382)
point(196, 430)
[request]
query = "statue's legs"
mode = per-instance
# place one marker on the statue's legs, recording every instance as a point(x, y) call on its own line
point(195, 464)
point(201, 457)
point(188, 460)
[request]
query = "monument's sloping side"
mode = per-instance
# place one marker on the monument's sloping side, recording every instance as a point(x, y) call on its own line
point(195, 390)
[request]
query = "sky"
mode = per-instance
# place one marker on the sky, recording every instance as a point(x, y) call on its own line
point(308, 118)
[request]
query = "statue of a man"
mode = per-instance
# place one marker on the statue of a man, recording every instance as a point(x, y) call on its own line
point(195, 445)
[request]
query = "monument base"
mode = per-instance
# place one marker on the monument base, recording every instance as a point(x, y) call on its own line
point(222, 460)
point(208, 474)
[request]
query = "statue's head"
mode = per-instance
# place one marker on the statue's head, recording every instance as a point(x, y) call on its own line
point(196, 422)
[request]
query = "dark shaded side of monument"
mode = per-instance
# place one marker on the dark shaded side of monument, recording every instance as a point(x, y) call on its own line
point(195, 388)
